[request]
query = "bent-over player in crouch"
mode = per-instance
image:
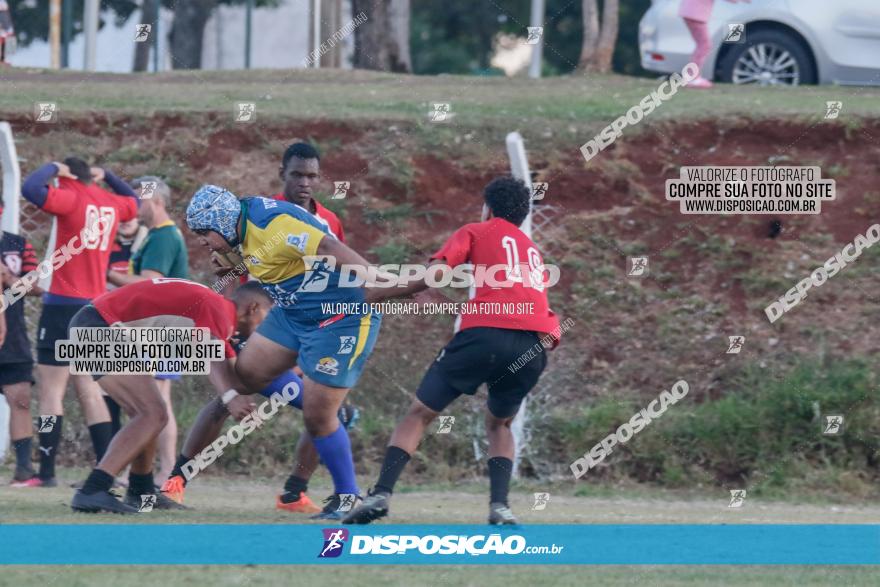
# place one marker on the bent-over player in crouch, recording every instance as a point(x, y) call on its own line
point(483, 350)
point(161, 302)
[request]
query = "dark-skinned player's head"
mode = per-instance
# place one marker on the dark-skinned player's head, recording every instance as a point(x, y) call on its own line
point(300, 172)
point(508, 198)
point(79, 168)
point(252, 304)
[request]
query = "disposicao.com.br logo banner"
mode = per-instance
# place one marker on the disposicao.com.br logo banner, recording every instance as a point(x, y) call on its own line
point(394, 544)
point(413, 543)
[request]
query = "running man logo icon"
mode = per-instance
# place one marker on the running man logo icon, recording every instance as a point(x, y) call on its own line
point(148, 502)
point(346, 345)
point(832, 109)
point(340, 189)
point(334, 539)
point(148, 188)
point(46, 112)
point(445, 426)
point(638, 266)
point(318, 275)
point(539, 190)
point(833, 425)
point(534, 35)
point(46, 423)
point(736, 33)
point(541, 501)
point(245, 112)
point(346, 502)
point(737, 497)
point(441, 112)
point(142, 32)
point(735, 344)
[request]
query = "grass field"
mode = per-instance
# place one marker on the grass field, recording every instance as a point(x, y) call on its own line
point(369, 96)
point(244, 499)
point(250, 501)
point(497, 576)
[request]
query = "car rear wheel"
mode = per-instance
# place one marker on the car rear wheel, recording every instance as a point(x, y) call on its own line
point(768, 58)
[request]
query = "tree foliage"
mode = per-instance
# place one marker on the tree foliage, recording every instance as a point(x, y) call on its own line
point(456, 36)
point(31, 20)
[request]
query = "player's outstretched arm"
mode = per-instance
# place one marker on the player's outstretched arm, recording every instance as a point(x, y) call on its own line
point(374, 295)
point(345, 255)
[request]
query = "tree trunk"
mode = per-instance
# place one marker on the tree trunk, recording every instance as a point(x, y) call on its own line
point(398, 37)
point(591, 35)
point(149, 15)
point(382, 42)
point(608, 36)
point(188, 31)
point(331, 21)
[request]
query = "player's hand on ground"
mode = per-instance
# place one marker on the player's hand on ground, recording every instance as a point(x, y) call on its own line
point(63, 170)
point(240, 406)
point(97, 174)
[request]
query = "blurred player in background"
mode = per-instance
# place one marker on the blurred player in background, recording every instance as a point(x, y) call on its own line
point(331, 349)
point(157, 303)
point(78, 203)
point(7, 32)
point(300, 172)
point(482, 351)
point(162, 254)
point(129, 238)
point(17, 257)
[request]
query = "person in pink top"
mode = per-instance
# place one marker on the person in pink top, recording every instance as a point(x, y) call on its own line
point(696, 15)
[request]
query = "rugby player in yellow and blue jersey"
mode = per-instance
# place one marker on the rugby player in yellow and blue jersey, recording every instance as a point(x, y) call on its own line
point(280, 241)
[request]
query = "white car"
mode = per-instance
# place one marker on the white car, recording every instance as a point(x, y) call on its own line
point(771, 42)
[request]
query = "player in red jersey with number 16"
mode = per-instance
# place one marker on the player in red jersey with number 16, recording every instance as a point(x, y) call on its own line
point(500, 342)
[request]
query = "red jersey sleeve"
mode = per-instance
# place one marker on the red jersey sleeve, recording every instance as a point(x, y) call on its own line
point(457, 249)
point(60, 201)
point(28, 259)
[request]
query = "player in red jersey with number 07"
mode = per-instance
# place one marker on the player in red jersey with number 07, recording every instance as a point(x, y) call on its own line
point(502, 349)
point(87, 217)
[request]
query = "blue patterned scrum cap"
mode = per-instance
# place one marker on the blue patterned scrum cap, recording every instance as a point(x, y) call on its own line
point(214, 208)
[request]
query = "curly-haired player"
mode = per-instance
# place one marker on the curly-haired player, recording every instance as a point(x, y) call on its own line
point(489, 347)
